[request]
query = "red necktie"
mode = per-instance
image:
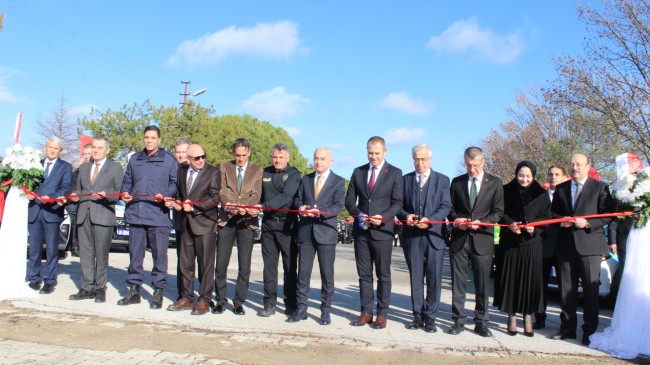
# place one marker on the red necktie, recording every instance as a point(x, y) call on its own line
point(371, 182)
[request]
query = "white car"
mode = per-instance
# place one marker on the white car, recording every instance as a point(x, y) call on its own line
point(121, 230)
point(608, 267)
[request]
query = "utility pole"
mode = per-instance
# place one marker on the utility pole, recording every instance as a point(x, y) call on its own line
point(185, 94)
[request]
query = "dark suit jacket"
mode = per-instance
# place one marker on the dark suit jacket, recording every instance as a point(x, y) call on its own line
point(109, 180)
point(594, 199)
point(205, 188)
point(549, 237)
point(531, 205)
point(385, 200)
point(321, 229)
point(251, 191)
point(488, 208)
point(56, 185)
point(437, 205)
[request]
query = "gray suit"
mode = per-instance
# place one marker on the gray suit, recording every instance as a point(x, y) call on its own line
point(424, 248)
point(95, 219)
point(318, 235)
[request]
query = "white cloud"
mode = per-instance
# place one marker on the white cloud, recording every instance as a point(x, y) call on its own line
point(403, 103)
point(272, 40)
point(293, 131)
point(274, 105)
point(466, 36)
point(401, 136)
point(7, 96)
point(80, 111)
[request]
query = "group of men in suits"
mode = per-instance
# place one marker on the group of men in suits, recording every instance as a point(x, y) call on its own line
point(423, 200)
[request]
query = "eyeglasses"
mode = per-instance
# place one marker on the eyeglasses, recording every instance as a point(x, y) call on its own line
point(196, 158)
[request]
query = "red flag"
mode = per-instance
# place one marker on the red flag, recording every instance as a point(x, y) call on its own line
point(19, 122)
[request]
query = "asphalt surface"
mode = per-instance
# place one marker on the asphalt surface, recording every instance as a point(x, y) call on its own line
point(275, 329)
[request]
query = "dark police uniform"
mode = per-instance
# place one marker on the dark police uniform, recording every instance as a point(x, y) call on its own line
point(278, 191)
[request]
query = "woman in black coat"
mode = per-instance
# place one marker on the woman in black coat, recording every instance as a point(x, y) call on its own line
point(520, 288)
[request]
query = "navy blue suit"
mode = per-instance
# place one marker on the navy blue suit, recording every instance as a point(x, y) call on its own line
point(424, 248)
point(374, 245)
point(318, 235)
point(44, 220)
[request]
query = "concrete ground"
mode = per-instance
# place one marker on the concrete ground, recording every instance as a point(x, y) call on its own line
point(275, 330)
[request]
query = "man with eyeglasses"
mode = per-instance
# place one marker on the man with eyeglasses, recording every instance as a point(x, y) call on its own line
point(196, 206)
point(241, 190)
point(476, 197)
point(581, 244)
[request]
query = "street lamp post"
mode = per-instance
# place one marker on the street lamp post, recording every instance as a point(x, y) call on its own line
point(187, 94)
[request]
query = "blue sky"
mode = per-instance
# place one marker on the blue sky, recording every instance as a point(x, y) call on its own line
point(330, 72)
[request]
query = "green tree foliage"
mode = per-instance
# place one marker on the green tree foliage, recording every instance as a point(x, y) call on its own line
point(123, 127)
point(216, 134)
point(2, 20)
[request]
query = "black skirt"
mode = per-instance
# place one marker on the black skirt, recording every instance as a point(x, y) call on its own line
point(520, 287)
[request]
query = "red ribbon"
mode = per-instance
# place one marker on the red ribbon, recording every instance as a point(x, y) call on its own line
point(532, 224)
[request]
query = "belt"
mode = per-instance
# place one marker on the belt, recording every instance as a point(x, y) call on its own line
point(275, 219)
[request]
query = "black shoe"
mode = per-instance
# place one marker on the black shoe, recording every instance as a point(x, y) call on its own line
point(430, 325)
point(417, 323)
point(82, 294)
point(100, 295)
point(539, 324)
point(34, 286)
point(266, 312)
point(585, 339)
point(132, 296)
point(482, 330)
point(239, 310)
point(325, 318)
point(298, 315)
point(47, 289)
point(563, 335)
point(219, 308)
point(156, 302)
point(74, 252)
point(456, 329)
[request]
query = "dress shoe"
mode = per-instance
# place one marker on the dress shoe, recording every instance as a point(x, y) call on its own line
point(539, 324)
point(132, 296)
point(456, 328)
point(325, 318)
point(482, 330)
point(363, 319)
point(380, 322)
point(219, 308)
point(180, 305)
point(512, 325)
point(82, 294)
point(416, 323)
point(429, 325)
point(585, 339)
point(266, 312)
point(47, 289)
point(201, 308)
point(34, 286)
point(156, 301)
point(298, 315)
point(75, 252)
point(100, 295)
point(563, 335)
point(239, 310)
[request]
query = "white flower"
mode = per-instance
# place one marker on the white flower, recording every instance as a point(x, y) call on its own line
point(18, 147)
point(28, 149)
point(9, 151)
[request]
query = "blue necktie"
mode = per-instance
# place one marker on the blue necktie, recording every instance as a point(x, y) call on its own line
point(47, 169)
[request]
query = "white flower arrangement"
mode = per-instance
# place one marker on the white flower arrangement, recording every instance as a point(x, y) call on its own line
point(22, 165)
point(632, 192)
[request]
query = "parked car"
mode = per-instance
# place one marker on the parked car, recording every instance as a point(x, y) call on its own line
point(64, 238)
point(121, 230)
point(608, 267)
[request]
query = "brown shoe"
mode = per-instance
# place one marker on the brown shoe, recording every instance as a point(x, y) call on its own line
point(363, 319)
point(380, 322)
point(181, 304)
point(200, 308)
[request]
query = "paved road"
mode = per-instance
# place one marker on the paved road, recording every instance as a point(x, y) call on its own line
point(274, 330)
